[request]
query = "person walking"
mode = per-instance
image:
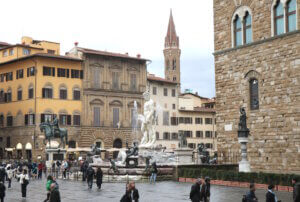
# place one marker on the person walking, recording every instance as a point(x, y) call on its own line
point(2, 191)
point(205, 190)
point(48, 187)
point(40, 170)
point(195, 194)
point(99, 176)
point(134, 192)
point(90, 173)
point(296, 191)
point(153, 173)
point(9, 175)
point(24, 181)
point(55, 195)
point(127, 196)
point(270, 196)
point(83, 168)
point(65, 168)
point(2, 174)
point(250, 196)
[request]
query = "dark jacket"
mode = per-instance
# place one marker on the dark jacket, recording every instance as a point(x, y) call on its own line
point(135, 195)
point(90, 173)
point(99, 176)
point(154, 169)
point(55, 196)
point(2, 190)
point(2, 174)
point(126, 197)
point(250, 197)
point(296, 192)
point(195, 193)
point(205, 192)
point(270, 197)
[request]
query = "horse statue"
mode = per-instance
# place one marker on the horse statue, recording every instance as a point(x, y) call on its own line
point(52, 130)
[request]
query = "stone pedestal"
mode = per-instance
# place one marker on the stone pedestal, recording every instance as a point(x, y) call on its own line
point(55, 154)
point(244, 165)
point(183, 156)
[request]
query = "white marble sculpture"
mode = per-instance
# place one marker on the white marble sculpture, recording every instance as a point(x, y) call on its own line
point(148, 122)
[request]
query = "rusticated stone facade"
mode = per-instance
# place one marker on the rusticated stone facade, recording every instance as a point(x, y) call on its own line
point(274, 61)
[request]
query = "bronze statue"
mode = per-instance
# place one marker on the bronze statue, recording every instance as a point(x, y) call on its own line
point(113, 166)
point(243, 119)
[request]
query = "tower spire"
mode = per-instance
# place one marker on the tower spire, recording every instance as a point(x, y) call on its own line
point(171, 39)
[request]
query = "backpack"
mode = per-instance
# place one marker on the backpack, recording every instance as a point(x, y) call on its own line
point(244, 199)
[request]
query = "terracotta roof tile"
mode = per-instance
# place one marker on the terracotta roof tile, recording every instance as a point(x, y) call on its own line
point(199, 109)
point(159, 79)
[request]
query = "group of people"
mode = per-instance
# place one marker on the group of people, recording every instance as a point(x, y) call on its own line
point(270, 195)
point(89, 174)
point(52, 189)
point(200, 191)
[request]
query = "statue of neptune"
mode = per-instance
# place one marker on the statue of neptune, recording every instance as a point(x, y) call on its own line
point(148, 121)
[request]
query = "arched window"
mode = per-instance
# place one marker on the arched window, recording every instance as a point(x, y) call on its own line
point(247, 28)
point(174, 64)
point(47, 91)
point(291, 16)
point(63, 93)
point(254, 99)
point(20, 93)
point(30, 91)
point(237, 31)
point(167, 64)
point(8, 95)
point(279, 18)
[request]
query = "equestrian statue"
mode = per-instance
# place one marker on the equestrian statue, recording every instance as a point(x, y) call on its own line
point(52, 130)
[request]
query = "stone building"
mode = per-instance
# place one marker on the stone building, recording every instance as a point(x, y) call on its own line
point(36, 85)
point(111, 84)
point(257, 66)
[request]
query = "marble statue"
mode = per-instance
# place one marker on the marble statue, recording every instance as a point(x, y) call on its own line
point(148, 122)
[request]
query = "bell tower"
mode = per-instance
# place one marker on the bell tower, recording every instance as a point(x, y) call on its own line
point(172, 53)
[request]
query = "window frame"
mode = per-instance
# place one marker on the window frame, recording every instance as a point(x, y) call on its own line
point(278, 17)
point(253, 96)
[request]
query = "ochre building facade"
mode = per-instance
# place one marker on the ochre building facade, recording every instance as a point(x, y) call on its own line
point(257, 66)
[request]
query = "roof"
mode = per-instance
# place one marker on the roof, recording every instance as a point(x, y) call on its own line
point(171, 33)
point(21, 45)
point(105, 53)
point(183, 94)
point(199, 109)
point(45, 55)
point(159, 79)
point(4, 44)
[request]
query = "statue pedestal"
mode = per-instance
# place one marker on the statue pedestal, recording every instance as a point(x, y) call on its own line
point(183, 156)
point(54, 154)
point(244, 165)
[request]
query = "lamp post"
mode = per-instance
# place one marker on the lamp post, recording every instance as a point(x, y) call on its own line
point(243, 133)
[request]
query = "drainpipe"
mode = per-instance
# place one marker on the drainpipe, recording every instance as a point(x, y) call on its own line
point(35, 104)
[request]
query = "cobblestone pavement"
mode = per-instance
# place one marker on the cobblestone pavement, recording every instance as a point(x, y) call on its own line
point(160, 192)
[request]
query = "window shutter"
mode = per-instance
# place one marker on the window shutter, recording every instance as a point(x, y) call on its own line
point(68, 119)
point(96, 116)
point(68, 72)
point(81, 74)
point(43, 92)
point(53, 71)
point(50, 93)
point(5, 97)
point(42, 118)
point(17, 75)
point(54, 116)
point(26, 119)
point(27, 72)
point(33, 118)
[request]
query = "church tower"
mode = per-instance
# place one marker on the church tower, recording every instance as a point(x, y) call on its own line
point(172, 53)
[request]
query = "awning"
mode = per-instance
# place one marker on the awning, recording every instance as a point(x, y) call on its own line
point(9, 149)
point(28, 146)
point(19, 146)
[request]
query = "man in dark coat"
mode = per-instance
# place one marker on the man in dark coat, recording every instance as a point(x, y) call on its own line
point(2, 174)
point(195, 195)
point(90, 173)
point(54, 195)
point(250, 197)
point(84, 168)
point(127, 196)
point(2, 191)
point(134, 192)
point(296, 191)
point(99, 176)
point(270, 196)
point(205, 190)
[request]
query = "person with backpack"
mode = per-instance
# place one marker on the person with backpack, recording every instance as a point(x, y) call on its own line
point(99, 176)
point(90, 173)
point(270, 196)
point(24, 181)
point(154, 172)
point(195, 194)
point(251, 197)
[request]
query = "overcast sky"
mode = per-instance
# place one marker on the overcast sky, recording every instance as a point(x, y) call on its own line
point(133, 26)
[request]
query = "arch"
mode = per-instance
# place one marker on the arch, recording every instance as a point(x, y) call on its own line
point(99, 143)
point(9, 89)
point(19, 87)
point(63, 111)
point(30, 111)
point(76, 87)
point(19, 146)
point(131, 104)
point(48, 111)
point(116, 103)
point(252, 74)
point(28, 146)
point(30, 85)
point(8, 113)
point(76, 112)
point(19, 113)
point(117, 143)
point(48, 85)
point(97, 102)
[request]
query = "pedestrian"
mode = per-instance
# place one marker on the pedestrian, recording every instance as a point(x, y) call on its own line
point(250, 196)
point(127, 196)
point(153, 173)
point(195, 191)
point(2, 174)
point(90, 173)
point(134, 192)
point(296, 191)
point(270, 196)
point(65, 168)
point(2, 191)
point(55, 195)
point(40, 170)
point(9, 175)
point(205, 190)
point(99, 176)
point(48, 187)
point(83, 168)
point(24, 181)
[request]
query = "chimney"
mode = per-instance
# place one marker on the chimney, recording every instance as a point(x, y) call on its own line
point(126, 53)
point(76, 43)
point(138, 55)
